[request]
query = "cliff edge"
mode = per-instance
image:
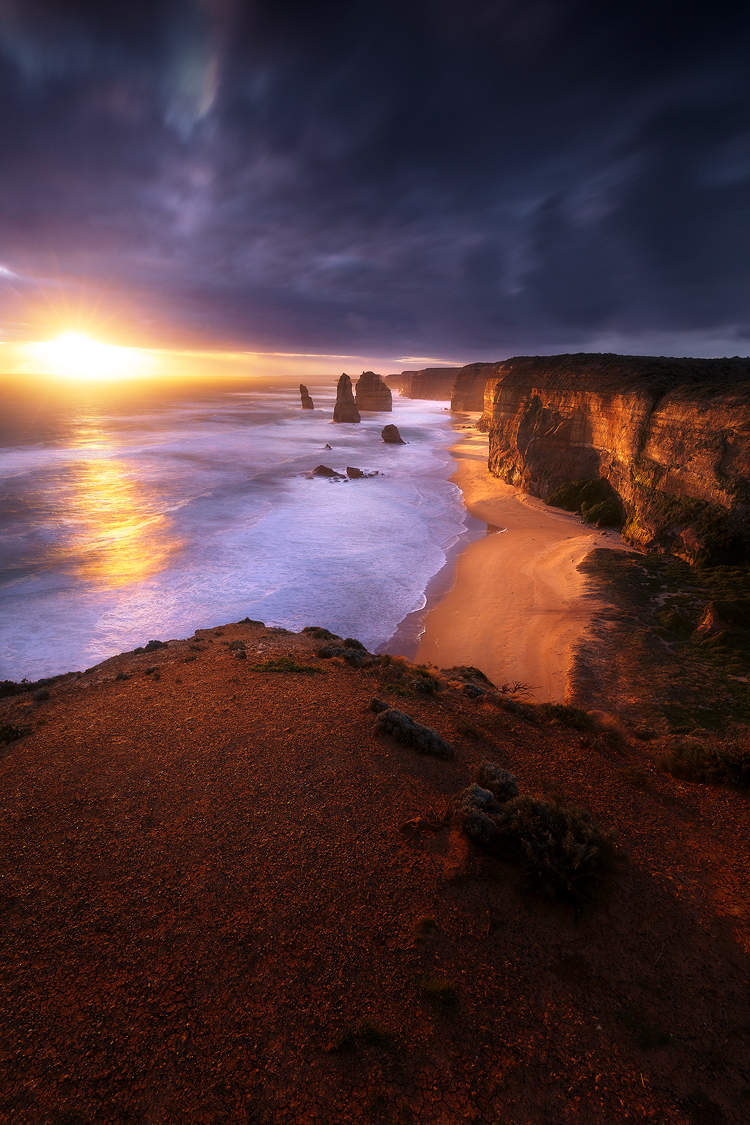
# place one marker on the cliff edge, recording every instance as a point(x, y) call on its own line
point(671, 437)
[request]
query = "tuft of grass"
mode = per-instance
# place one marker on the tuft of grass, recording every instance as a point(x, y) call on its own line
point(319, 633)
point(11, 733)
point(567, 716)
point(398, 689)
point(284, 664)
point(437, 991)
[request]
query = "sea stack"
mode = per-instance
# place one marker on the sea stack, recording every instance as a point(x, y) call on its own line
point(373, 393)
point(307, 402)
point(345, 409)
point(391, 435)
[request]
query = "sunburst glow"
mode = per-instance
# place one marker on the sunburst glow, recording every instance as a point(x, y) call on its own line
point(78, 356)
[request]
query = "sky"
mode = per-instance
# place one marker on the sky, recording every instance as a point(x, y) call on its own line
point(422, 181)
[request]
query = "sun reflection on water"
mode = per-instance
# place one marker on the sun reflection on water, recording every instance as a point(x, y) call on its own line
point(116, 535)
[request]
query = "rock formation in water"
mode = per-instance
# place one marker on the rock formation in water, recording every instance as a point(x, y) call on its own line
point(326, 471)
point(391, 435)
point(307, 402)
point(670, 437)
point(372, 393)
point(358, 474)
point(435, 383)
point(345, 409)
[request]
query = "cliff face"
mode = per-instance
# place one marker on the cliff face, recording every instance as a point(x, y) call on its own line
point(470, 384)
point(671, 436)
point(435, 383)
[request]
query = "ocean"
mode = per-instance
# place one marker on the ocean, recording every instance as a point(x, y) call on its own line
point(136, 512)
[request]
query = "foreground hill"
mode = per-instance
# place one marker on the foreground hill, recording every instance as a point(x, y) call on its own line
point(227, 899)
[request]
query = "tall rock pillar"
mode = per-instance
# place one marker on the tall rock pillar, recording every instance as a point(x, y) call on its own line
point(345, 409)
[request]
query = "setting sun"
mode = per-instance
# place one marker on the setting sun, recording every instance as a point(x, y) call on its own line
point(76, 355)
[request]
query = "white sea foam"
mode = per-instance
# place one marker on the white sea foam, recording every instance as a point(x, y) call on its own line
point(154, 522)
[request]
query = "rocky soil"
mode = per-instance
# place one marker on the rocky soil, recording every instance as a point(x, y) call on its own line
point(225, 898)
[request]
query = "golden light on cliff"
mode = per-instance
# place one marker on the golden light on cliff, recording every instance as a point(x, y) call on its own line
point(75, 355)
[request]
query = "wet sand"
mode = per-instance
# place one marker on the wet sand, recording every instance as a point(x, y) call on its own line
point(518, 604)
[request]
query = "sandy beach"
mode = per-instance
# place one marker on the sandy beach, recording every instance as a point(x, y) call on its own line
point(518, 604)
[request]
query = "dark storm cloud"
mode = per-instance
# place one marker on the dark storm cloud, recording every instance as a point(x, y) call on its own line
point(465, 177)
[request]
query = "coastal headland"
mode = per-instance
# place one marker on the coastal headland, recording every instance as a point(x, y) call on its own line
point(228, 898)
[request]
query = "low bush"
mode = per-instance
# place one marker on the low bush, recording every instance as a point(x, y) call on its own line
point(562, 851)
point(711, 764)
point(468, 672)
point(284, 664)
point(567, 716)
point(405, 730)
point(500, 783)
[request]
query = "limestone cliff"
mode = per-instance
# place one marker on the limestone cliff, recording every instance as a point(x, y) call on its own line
point(372, 393)
point(435, 383)
point(470, 384)
point(671, 436)
point(307, 402)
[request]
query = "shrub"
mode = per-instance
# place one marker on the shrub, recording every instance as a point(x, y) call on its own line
point(468, 730)
point(567, 716)
point(404, 729)
point(283, 664)
point(468, 672)
point(692, 760)
point(563, 852)
point(352, 642)
point(500, 783)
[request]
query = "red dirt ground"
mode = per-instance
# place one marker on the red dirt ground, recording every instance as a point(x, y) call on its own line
point(206, 895)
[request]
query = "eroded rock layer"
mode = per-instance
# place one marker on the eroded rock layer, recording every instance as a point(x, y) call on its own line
point(345, 409)
point(671, 436)
point(307, 402)
point(372, 393)
point(434, 383)
point(470, 383)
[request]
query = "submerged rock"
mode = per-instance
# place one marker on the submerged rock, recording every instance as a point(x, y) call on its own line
point(345, 409)
point(307, 402)
point(373, 393)
point(391, 435)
